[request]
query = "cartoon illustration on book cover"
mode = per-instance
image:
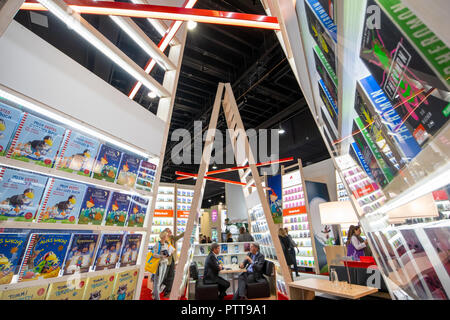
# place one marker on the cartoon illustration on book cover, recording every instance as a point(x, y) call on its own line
point(234, 260)
point(128, 170)
point(81, 253)
point(125, 285)
point(44, 256)
point(137, 212)
point(11, 248)
point(99, 288)
point(93, 206)
point(220, 259)
point(146, 176)
point(224, 248)
point(9, 120)
point(108, 251)
point(107, 164)
point(20, 193)
point(78, 153)
point(130, 250)
point(36, 140)
point(117, 209)
point(33, 293)
point(67, 290)
point(61, 202)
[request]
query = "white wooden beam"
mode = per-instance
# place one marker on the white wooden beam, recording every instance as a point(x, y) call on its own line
point(8, 10)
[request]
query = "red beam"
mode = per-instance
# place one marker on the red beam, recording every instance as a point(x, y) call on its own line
point(165, 13)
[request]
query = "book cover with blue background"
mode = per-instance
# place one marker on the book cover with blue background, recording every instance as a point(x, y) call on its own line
point(108, 252)
point(20, 194)
point(107, 164)
point(130, 250)
point(36, 140)
point(137, 212)
point(119, 204)
point(128, 170)
point(11, 248)
point(78, 153)
point(9, 120)
point(94, 206)
point(61, 202)
point(81, 253)
point(224, 248)
point(146, 176)
point(44, 256)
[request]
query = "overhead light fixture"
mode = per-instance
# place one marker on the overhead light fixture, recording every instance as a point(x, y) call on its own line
point(209, 200)
point(280, 129)
point(152, 95)
point(191, 25)
point(214, 167)
point(222, 196)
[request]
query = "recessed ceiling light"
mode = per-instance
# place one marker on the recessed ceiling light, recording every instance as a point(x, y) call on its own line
point(152, 94)
point(191, 25)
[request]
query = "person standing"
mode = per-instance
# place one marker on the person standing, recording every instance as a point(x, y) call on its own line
point(355, 248)
point(160, 252)
point(254, 262)
point(168, 279)
point(244, 236)
point(212, 269)
point(286, 246)
point(292, 251)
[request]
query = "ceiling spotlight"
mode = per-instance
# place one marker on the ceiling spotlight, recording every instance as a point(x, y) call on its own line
point(191, 25)
point(209, 200)
point(214, 167)
point(222, 196)
point(281, 131)
point(152, 94)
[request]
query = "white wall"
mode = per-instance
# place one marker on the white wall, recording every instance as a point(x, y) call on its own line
point(324, 172)
point(31, 66)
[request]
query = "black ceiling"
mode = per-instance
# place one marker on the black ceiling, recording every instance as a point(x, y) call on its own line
point(252, 60)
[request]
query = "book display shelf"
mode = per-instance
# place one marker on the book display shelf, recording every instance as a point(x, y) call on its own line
point(372, 75)
point(164, 211)
point(185, 194)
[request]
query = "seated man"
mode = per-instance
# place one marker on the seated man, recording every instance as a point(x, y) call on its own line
point(254, 262)
point(212, 268)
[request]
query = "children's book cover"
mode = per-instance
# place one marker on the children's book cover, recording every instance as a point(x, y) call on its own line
point(220, 259)
point(77, 153)
point(137, 212)
point(44, 256)
point(99, 288)
point(20, 194)
point(67, 290)
point(234, 260)
point(33, 293)
point(36, 140)
point(125, 285)
point(9, 120)
point(202, 250)
point(146, 176)
point(130, 250)
point(94, 206)
point(108, 252)
point(107, 164)
point(128, 170)
point(236, 248)
point(61, 202)
point(224, 248)
point(11, 248)
point(81, 253)
point(117, 209)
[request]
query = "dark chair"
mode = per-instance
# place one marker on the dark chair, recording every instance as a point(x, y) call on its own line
point(261, 288)
point(203, 291)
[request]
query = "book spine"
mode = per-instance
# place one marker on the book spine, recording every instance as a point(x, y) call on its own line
point(16, 135)
point(45, 201)
point(27, 256)
point(62, 151)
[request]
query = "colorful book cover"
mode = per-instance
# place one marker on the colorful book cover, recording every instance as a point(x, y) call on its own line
point(234, 260)
point(107, 164)
point(9, 120)
point(236, 248)
point(125, 285)
point(77, 153)
point(137, 212)
point(146, 176)
point(224, 248)
point(36, 140)
point(11, 248)
point(20, 194)
point(220, 260)
point(202, 250)
point(99, 288)
point(44, 256)
point(330, 106)
point(130, 250)
point(119, 204)
point(128, 170)
point(326, 73)
point(328, 6)
point(61, 202)
point(108, 252)
point(94, 206)
point(33, 293)
point(80, 255)
point(66, 290)
point(407, 59)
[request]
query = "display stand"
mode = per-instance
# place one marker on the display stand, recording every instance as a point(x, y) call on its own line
point(243, 156)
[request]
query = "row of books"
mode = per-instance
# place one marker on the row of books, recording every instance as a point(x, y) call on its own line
point(225, 248)
point(25, 196)
point(120, 286)
point(49, 255)
point(29, 138)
